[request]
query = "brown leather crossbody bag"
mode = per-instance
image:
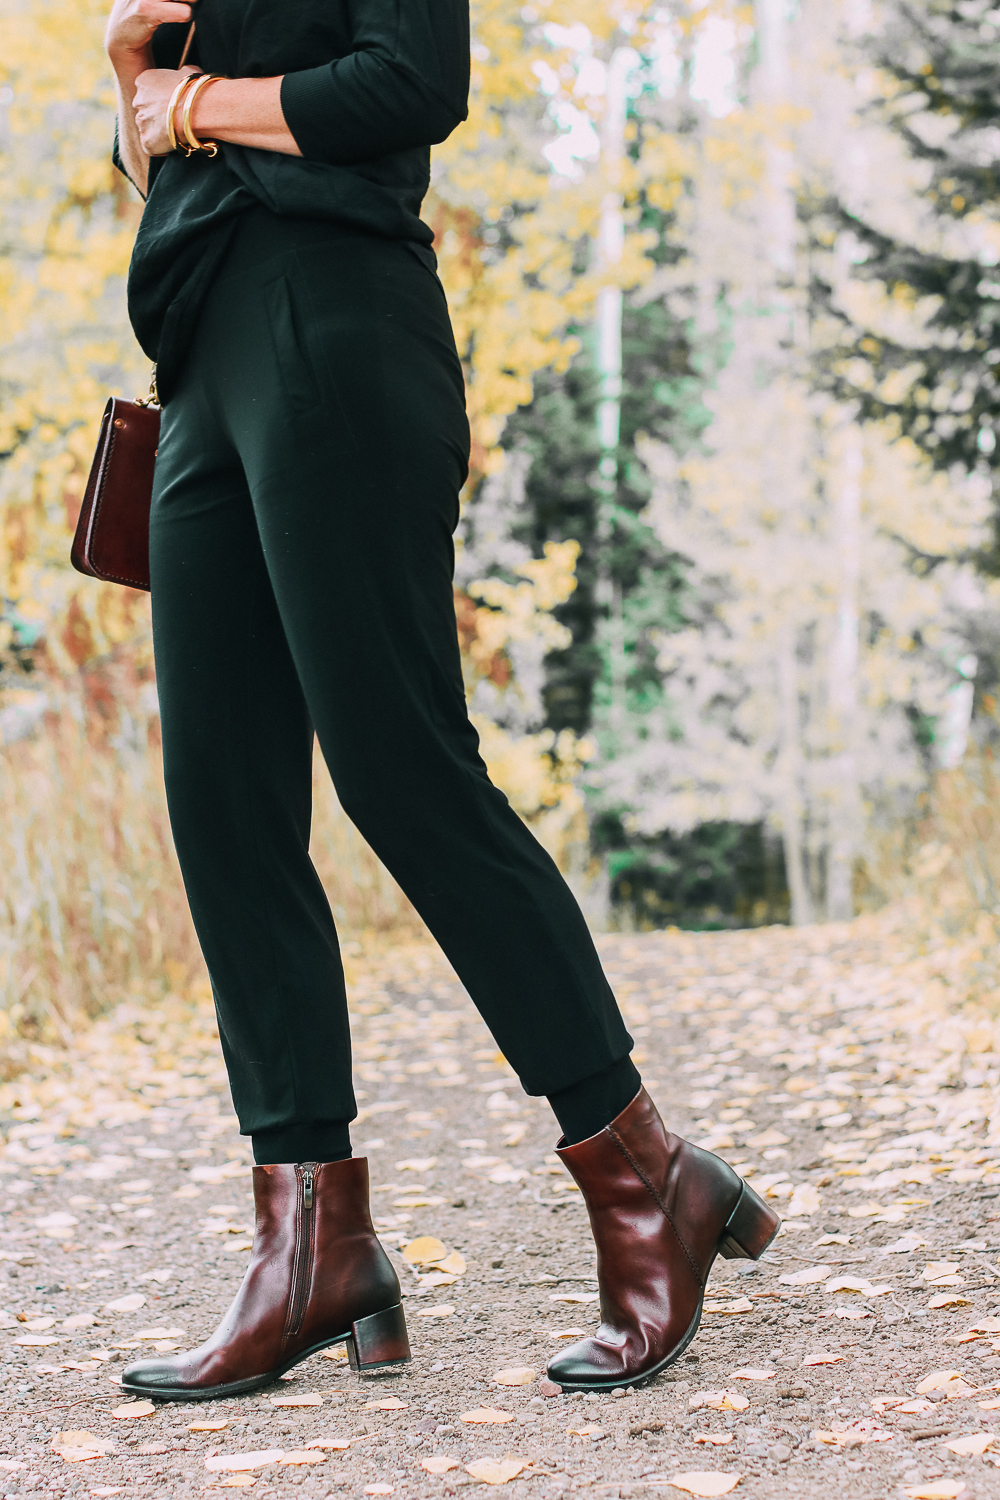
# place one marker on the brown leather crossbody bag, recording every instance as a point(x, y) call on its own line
point(112, 531)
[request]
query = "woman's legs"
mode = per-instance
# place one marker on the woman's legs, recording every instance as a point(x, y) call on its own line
point(237, 745)
point(327, 376)
point(301, 551)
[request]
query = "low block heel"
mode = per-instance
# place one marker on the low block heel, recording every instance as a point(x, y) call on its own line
point(379, 1340)
point(751, 1227)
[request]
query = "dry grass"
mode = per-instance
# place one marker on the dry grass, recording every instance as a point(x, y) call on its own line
point(941, 881)
point(92, 909)
point(93, 913)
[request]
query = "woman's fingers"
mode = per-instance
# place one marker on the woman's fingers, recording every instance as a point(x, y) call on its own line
point(132, 23)
point(153, 90)
point(158, 12)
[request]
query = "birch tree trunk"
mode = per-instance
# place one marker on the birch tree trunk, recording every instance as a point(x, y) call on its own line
point(843, 689)
point(789, 771)
point(610, 245)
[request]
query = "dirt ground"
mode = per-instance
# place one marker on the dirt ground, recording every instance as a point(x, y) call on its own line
point(820, 1063)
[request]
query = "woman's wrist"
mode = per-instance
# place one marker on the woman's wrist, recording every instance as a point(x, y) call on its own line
point(212, 109)
point(127, 63)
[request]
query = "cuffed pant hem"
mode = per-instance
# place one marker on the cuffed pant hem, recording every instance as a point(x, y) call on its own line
point(321, 1140)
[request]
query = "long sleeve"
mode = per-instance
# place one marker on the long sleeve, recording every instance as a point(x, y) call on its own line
point(404, 84)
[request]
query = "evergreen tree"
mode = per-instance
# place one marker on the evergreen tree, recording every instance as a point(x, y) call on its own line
point(937, 375)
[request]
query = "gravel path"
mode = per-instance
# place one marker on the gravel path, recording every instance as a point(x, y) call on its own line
point(822, 1063)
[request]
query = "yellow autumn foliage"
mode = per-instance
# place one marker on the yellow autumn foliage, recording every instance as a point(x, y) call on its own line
point(70, 220)
point(95, 908)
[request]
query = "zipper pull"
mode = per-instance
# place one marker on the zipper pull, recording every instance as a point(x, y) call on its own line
point(307, 1187)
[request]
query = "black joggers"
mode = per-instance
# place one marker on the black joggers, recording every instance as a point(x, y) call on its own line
point(306, 493)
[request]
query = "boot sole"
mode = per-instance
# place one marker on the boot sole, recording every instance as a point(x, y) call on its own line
point(366, 1340)
point(747, 1234)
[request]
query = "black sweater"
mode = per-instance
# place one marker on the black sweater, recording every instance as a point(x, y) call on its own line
point(369, 86)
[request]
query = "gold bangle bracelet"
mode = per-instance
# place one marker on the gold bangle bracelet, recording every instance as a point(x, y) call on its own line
point(193, 143)
point(175, 99)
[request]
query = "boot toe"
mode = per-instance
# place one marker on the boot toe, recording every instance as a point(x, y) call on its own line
point(150, 1377)
point(586, 1363)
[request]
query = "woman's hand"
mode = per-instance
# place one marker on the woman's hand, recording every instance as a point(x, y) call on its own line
point(153, 89)
point(132, 23)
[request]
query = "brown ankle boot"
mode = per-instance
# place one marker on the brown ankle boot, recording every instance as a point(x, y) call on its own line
point(317, 1276)
point(661, 1210)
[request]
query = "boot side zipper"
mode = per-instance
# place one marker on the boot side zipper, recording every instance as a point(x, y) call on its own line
point(298, 1296)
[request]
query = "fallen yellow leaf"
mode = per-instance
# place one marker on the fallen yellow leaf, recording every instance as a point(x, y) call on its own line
point(208, 1426)
point(805, 1277)
point(856, 1284)
point(519, 1375)
point(805, 1200)
point(133, 1409)
point(719, 1401)
point(388, 1403)
point(705, 1482)
point(738, 1305)
point(76, 1439)
point(453, 1263)
point(823, 1359)
point(938, 1489)
point(585, 1432)
point(993, 1405)
point(443, 1310)
point(753, 1374)
point(307, 1398)
point(973, 1444)
point(494, 1470)
point(937, 1381)
point(130, 1303)
point(438, 1278)
point(426, 1250)
point(236, 1461)
point(717, 1439)
point(440, 1464)
point(935, 1269)
point(949, 1299)
point(487, 1416)
point(336, 1445)
point(379, 1489)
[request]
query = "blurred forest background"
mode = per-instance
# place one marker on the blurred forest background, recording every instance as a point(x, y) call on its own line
point(726, 280)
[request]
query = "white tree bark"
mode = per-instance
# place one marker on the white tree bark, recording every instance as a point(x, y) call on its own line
point(610, 245)
point(789, 771)
point(844, 803)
